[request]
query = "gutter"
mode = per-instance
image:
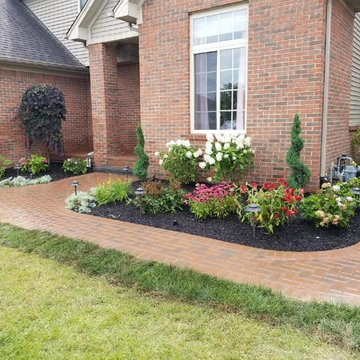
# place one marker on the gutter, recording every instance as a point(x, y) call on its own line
point(324, 129)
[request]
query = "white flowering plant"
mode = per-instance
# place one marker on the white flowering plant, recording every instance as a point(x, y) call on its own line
point(330, 206)
point(75, 166)
point(181, 161)
point(229, 155)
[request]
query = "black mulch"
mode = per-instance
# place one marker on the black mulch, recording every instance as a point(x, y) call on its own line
point(55, 170)
point(299, 236)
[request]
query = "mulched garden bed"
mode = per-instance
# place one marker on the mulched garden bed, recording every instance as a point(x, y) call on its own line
point(299, 236)
point(55, 170)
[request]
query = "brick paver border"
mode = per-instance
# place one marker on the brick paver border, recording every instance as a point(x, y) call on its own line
point(328, 275)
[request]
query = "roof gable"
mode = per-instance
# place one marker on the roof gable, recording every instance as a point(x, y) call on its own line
point(25, 39)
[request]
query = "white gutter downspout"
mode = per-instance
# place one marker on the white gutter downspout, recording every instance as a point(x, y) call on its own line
point(326, 89)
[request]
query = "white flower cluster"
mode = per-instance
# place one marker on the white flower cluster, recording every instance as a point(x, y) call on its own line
point(172, 143)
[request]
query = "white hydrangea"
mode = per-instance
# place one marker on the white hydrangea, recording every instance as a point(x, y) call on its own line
point(218, 146)
point(219, 156)
point(336, 187)
point(209, 179)
point(208, 151)
point(161, 162)
point(210, 137)
point(157, 153)
point(197, 153)
point(202, 165)
point(226, 146)
point(189, 154)
point(187, 144)
point(211, 161)
point(247, 141)
point(226, 156)
point(349, 199)
point(207, 158)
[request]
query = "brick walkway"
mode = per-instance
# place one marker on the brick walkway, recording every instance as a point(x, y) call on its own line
point(333, 276)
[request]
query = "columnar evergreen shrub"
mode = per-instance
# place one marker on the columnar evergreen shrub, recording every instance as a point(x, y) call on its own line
point(142, 164)
point(42, 110)
point(300, 174)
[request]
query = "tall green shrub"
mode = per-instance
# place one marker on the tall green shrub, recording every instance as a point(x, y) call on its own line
point(41, 111)
point(300, 174)
point(142, 164)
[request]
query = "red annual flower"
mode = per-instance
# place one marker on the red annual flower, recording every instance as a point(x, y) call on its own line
point(254, 186)
point(243, 189)
point(283, 182)
point(284, 208)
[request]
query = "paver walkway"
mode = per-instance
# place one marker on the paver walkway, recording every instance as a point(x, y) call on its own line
point(329, 275)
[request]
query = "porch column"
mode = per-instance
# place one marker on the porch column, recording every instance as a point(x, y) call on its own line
point(104, 101)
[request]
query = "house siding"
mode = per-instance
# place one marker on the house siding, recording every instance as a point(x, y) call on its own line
point(285, 75)
point(355, 84)
point(77, 130)
point(58, 16)
point(107, 28)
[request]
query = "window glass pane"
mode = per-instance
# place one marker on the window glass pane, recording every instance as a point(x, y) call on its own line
point(226, 80)
point(211, 81)
point(212, 29)
point(211, 61)
point(225, 120)
point(235, 95)
point(226, 59)
point(226, 26)
point(226, 99)
point(240, 24)
point(234, 122)
point(82, 3)
point(199, 31)
point(211, 101)
point(205, 121)
point(200, 63)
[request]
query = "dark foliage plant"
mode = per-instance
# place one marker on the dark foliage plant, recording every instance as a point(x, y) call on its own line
point(42, 110)
point(300, 174)
point(142, 164)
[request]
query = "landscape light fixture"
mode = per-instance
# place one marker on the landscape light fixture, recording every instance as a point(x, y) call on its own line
point(88, 162)
point(126, 170)
point(17, 167)
point(254, 209)
point(75, 185)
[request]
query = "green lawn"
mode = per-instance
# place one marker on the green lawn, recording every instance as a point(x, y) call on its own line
point(51, 311)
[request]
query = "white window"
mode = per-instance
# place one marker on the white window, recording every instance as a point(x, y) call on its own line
point(219, 42)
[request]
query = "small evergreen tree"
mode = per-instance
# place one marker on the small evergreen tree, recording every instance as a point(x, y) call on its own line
point(300, 174)
point(142, 164)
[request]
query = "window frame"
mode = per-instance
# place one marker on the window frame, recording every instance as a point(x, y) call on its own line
point(205, 48)
point(79, 5)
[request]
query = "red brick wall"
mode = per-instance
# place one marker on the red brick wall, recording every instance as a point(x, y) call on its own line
point(115, 104)
point(285, 75)
point(76, 128)
point(338, 139)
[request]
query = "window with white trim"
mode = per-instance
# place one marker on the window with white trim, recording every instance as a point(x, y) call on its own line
point(219, 41)
point(82, 4)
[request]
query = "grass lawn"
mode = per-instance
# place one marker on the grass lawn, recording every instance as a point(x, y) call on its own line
point(50, 311)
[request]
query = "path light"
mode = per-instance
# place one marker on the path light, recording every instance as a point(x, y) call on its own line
point(88, 161)
point(17, 167)
point(126, 170)
point(140, 192)
point(254, 209)
point(75, 185)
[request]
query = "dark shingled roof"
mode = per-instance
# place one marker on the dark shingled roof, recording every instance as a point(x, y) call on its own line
point(25, 39)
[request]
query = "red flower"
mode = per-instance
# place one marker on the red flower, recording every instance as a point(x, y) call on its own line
point(298, 197)
point(276, 216)
point(284, 208)
point(283, 182)
point(289, 213)
point(254, 186)
point(243, 189)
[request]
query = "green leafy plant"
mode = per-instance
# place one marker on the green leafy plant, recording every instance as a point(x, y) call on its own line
point(169, 201)
point(277, 205)
point(112, 191)
point(217, 201)
point(21, 181)
point(4, 164)
point(300, 174)
point(75, 166)
point(82, 202)
point(180, 161)
point(34, 164)
point(42, 110)
point(328, 207)
point(230, 156)
point(141, 166)
point(355, 146)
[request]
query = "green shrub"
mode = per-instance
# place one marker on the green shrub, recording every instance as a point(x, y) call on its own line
point(180, 161)
point(217, 201)
point(34, 165)
point(300, 174)
point(230, 156)
point(21, 181)
point(277, 205)
point(328, 207)
point(83, 202)
point(112, 191)
point(355, 146)
point(141, 166)
point(168, 202)
point(4, 164)
point(41, 111)
point(75, 166)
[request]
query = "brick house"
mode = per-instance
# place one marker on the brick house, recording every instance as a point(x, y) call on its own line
point(186, 68)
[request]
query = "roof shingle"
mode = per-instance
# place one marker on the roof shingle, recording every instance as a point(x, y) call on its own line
point(25, 39)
